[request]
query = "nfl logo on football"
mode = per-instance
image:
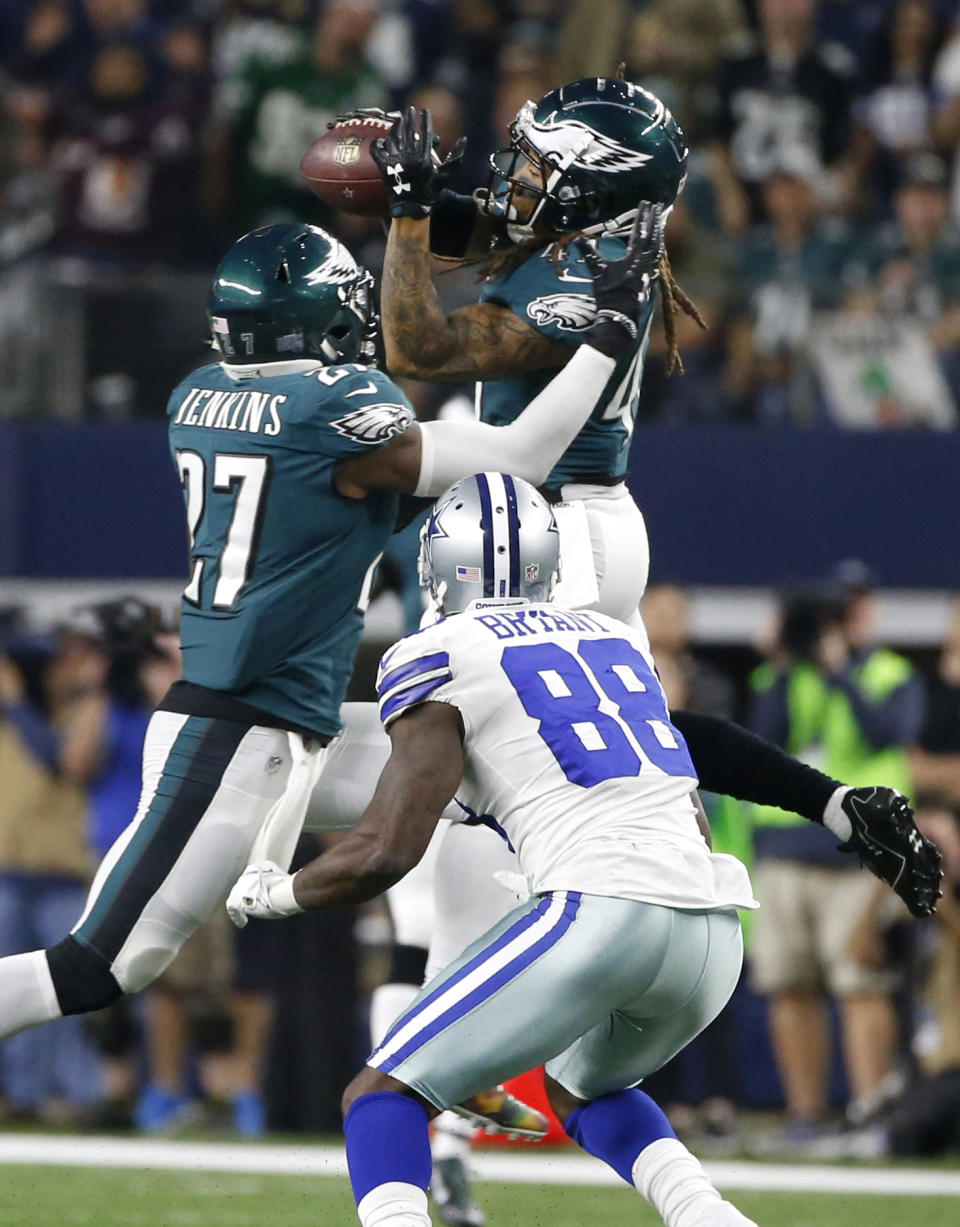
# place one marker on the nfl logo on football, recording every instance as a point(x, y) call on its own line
point(347, 150)
point(532, 572)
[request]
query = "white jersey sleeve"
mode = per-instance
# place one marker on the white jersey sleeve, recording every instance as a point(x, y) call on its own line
point(415, 670)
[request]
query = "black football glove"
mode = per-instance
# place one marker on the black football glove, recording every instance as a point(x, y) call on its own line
point(622, 287)
point(887, 841)
point(413, 173)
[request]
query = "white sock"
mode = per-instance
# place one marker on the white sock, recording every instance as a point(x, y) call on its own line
point(673, 1182)
point(452, 1136)
point(386, 1005)
point(27, 995)
point(394, 1204)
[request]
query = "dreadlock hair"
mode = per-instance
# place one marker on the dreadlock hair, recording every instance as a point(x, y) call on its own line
point(673, 299)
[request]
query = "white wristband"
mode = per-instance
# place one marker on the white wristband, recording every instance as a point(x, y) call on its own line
point(834, 819)
point(282, 898)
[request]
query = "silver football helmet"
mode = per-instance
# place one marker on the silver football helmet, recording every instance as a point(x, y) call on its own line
point(490, 536)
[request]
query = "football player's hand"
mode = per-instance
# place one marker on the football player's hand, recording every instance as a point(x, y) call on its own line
point(885, 838)
point(263, 891)
point(622, 287)
point(413, 173)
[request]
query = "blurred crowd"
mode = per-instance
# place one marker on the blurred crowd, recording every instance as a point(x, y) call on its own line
point(847, 1015)
point(818, 229)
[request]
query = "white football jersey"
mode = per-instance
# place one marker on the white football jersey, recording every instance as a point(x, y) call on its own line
point(569, 751)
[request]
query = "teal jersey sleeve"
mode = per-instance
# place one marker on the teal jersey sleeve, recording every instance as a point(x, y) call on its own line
point(556, 298)
point(280, 562)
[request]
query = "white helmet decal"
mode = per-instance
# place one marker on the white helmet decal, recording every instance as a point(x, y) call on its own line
point(338, 268)
point(568, 142)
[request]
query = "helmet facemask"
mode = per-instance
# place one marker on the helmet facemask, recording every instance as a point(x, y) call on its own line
point(352, 336)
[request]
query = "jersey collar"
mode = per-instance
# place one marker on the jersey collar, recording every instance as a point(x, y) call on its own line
point(265, 370)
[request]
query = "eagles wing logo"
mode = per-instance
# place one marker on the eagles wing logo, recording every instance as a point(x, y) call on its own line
point(373, 424)
point(571, 312)
point(338, 268)
point(576, 144)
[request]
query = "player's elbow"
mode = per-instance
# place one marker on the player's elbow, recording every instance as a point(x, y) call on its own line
point(388, 863)
point(417, 356)
point(403, 365)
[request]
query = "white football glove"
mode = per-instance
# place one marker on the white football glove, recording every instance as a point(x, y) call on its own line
point(264, 891)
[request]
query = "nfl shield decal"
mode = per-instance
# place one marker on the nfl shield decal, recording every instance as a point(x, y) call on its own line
point(347, 150)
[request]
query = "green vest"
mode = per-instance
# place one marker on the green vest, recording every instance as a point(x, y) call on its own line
point(823, 729)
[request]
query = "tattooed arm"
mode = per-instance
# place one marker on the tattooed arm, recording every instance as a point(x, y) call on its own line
point(482, 341)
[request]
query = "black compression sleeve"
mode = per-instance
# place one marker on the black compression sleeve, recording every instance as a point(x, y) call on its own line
point(736, 763)
point(451, 223)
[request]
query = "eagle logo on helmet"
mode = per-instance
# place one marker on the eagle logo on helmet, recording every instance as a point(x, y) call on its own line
point(576, 144)
point(374, 424)
point(571, 312)
point(338, 268)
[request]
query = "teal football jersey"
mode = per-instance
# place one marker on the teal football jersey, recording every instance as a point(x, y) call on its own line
point(280, 562)
point(557, 299)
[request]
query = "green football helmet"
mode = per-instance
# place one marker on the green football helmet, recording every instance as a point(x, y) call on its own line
point(291, 291)
point(598, 147)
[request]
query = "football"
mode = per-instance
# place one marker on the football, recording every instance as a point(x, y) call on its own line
point(339, 170)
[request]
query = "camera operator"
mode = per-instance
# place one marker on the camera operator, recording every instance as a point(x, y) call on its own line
point(833, 698)
point(51, 702)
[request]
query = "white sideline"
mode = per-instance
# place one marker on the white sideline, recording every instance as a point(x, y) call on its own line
point(554, 1167)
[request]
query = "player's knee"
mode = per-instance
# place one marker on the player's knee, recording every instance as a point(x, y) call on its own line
point(369, 1082)
point(561, 1101)
point(81, 977)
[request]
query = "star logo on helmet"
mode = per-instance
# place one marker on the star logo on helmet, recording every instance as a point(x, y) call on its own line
point(433, 526)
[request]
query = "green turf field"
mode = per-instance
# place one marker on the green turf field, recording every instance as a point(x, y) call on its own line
point(61, 1197)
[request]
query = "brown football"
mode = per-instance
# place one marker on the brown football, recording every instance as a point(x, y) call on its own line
point(339, 170)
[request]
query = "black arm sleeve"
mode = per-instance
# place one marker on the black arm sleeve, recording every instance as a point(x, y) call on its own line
point(735, 763)
point(451, 223)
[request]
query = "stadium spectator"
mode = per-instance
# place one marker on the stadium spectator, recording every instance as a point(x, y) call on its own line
point(925, 1119)
point(910, 268)
point(935, 761)
point(896, 107)
point(50, 698)
point(946, 123)
point(675, 48)
point(127, 164)
point(702, 262)
point(785, 270)
point(783, 99)
point(828, 695)
point(280, 106)
point(690, 682)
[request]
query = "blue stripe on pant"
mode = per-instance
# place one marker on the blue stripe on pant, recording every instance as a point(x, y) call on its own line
point(452, 1000)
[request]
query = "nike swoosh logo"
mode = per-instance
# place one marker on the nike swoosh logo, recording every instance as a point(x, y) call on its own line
point(365, 391)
